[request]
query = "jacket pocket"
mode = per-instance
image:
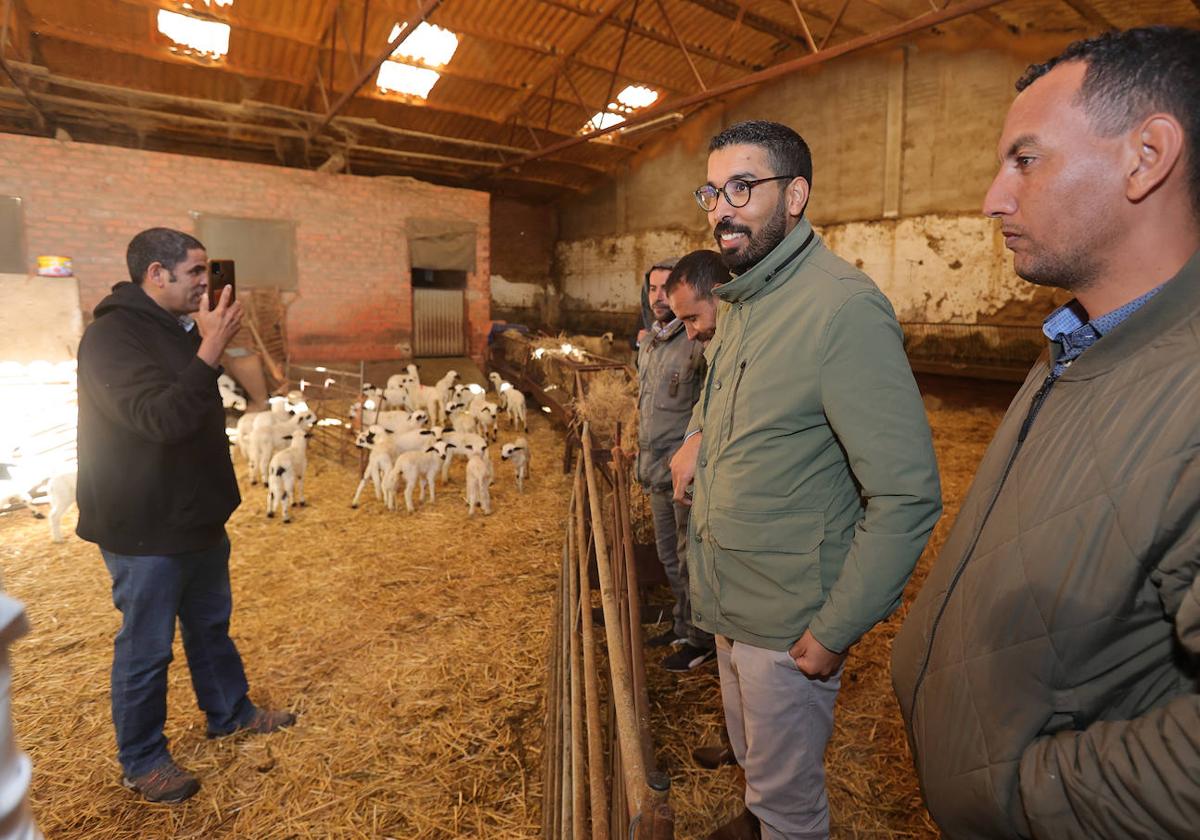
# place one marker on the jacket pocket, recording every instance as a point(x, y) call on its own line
point(768, 568)
point(676, 390)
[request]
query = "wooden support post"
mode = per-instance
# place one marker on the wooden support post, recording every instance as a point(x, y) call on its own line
point(578, 779)
point(597, 785)
point(634, 769)
point(641, 694)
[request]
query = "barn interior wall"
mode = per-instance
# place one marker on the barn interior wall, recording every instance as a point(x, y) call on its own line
point(354, 296)
point(523, 240)
point(903, 142)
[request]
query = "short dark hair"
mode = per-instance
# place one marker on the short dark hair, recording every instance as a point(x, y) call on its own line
point(1130, 75)
point(158, 245)
point(786, 150)
point(701, 270)
point(661, 265)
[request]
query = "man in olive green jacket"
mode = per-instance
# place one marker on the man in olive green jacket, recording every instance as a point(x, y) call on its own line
point(1047, 669)
point(815, 480)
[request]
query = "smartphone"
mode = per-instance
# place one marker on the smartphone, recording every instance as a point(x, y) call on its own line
point(220, 275)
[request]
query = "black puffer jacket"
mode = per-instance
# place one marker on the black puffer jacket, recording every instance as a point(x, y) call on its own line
point(154, 469)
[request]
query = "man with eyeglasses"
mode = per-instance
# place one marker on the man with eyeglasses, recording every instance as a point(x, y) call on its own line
point(815, 483)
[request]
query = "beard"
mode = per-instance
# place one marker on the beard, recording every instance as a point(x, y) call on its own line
point(662, 312)
point(758, 245)
point(1074, 270)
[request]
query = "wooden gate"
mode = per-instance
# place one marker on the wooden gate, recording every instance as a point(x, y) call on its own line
point(439, 322)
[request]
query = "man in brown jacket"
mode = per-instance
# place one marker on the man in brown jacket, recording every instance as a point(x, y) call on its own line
point(1047, 670)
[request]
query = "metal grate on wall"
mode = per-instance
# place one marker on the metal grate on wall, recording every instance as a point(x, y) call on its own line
point(439, 322)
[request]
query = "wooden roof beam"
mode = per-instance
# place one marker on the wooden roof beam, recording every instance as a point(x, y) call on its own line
point(657, 37)
point(1089, 13)
point(578, 36)
point(406, 28)
point(657, 112)
point(767, 26)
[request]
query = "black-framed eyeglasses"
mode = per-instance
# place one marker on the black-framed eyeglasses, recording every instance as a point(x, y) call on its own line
point(736, 191)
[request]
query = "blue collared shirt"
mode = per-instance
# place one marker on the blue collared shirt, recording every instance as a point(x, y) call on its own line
point(1065, 326)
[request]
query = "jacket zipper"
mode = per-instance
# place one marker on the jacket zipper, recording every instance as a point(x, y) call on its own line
point(733, 398)
point(1035, 406)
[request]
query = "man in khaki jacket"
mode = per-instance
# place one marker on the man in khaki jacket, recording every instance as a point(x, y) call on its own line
point(1047, 670)
point(815, 481)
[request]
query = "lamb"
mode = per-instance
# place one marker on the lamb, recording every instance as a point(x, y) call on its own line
point(445, 385)
point(397, 398)
point(464, 444)
point(513, 403)
point(232, 395)
point(371, 402)
point(427, 398)
point(379, 462)
point(285, 484)
point(518, 453)
point(497, 381)
point(461, 420)
point(596, 345)
point(485, 414)
point(478, 478)
point(62, 498)
point(398, 422)
point(417, 468)
point(399, 380)
point(267, 436)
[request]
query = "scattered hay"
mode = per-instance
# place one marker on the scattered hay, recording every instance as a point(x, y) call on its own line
point(610, 398)
point(412, 647)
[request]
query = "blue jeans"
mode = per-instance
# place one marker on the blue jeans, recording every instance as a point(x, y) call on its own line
point(151, 591)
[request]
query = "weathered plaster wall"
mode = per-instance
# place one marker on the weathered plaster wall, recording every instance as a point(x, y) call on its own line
point(903, 142)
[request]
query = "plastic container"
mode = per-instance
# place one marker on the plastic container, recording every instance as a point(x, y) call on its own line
point(54, 267)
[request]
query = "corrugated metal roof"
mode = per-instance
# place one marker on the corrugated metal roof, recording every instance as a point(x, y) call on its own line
point(509, 83)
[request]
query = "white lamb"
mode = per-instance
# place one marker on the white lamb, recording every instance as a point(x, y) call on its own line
point(461, 420)
point(478, 478)
point(445, 385)
point(270, 435)
point(518, 453)
point(497, 381)
point(379, 461)
point(463, 445)
point(513, 403)
point(418, 468)
point(62, 498)
point(285, 483)
point(427, 398)
point(232, 395)
point(485, 414)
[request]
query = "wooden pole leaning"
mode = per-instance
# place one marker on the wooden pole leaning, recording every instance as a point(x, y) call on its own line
point(596, 780)
point(622, 684)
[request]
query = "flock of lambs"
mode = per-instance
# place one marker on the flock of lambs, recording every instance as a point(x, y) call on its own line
point(413, 432)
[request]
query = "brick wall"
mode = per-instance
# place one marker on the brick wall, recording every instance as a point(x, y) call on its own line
point(355, 300)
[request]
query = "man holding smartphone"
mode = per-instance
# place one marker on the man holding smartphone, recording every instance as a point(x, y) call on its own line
point(156, 487)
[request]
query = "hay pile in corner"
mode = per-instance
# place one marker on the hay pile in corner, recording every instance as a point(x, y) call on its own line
point(412, 648)
point(610, 397)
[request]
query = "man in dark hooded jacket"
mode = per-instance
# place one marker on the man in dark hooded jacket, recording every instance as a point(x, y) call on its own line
point(156, 487)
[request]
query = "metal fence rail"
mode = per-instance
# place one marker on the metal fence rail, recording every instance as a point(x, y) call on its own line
point(990, 351)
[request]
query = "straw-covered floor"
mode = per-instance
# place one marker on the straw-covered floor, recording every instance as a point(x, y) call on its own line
point(412, 648)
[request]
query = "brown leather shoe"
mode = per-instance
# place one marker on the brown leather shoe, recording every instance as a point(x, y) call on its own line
point(263, 722)
point(744, 826)
point(168, 782)
point(714, 756)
